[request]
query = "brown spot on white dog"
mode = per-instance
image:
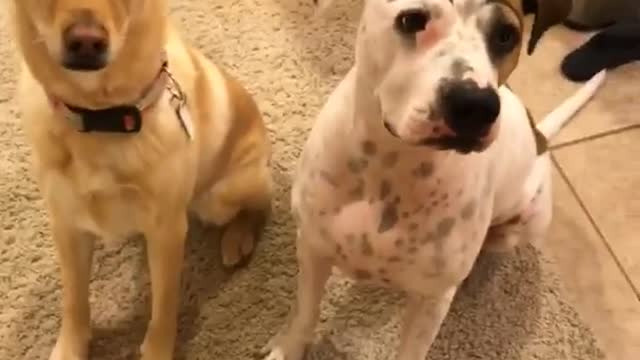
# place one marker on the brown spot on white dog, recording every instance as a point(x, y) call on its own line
point(356, 166)
point(388, 218)
point(324, 233)
point(425, 169)
point(468, 210)
point(426, 239)
point(365, 245)
point(444, 227)
point(369, 148)
point(328, 178)
point(350, 239)
point(390, 159)
point(459, 68)
point(362, 274)
point(385, 188)
point(357, 193)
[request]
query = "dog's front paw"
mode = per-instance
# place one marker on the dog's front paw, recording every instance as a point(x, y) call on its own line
point(156, 346)
point(69, 350)
point(283, 347)
point(237, 243)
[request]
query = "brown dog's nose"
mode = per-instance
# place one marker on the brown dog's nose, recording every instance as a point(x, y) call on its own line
point(85, 46)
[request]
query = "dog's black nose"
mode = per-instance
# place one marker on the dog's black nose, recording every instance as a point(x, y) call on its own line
point(86, 46)
point(469, 110)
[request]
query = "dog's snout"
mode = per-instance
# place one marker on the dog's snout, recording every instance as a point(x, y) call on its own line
point(469, 110)
point(86, 45)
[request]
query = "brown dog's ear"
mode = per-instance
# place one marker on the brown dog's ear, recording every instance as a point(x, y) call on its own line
point(547, 14)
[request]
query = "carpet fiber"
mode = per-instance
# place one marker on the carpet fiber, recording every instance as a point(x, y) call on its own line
point(510, 308)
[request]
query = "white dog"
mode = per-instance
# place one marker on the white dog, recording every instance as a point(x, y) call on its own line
point(421, 157)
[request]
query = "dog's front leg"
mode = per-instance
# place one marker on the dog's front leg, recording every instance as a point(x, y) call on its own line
point(165, 252)
point(75, 252)
point(313, 273)
point(422, 320)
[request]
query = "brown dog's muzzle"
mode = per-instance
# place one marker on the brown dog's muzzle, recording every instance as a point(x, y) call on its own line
point(85, 44)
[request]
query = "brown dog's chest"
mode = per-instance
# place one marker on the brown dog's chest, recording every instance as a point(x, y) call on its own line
point(102, 206)
point(98, 190)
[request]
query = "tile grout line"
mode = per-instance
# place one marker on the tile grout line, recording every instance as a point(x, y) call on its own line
point(594, 137)
point(599, 231)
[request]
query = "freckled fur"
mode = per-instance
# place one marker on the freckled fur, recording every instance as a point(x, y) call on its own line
point(393, 86)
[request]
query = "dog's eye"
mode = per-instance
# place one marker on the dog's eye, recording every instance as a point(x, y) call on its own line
point(411, 21)
point(503, 39)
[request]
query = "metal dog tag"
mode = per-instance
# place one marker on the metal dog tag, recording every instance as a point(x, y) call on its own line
point(185, 119)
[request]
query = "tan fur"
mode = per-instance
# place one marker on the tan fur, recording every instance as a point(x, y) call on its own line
point(513, 11)
point(549, 13)
point(113, 186)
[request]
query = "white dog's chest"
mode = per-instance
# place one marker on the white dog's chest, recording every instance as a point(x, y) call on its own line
point(400, 222)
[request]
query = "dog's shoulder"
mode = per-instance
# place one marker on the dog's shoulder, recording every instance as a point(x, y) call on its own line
point(226, 117)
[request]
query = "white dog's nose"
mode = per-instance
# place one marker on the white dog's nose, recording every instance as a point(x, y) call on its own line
point(469, 110)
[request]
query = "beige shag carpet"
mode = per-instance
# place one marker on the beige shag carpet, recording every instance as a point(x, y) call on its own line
point(511, 308)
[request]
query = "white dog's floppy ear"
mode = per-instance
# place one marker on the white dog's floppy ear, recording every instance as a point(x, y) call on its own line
point(547, 14)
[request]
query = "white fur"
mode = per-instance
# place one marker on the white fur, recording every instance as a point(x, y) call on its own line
point(384, 210)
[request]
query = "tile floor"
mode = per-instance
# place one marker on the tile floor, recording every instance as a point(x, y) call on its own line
point(595, 236)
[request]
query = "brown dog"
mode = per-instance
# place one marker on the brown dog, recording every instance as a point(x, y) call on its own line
point(131, 128)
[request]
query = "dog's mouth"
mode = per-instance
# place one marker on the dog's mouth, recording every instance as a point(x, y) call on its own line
point(457, 143)
point(460, 144)
point(84, 64)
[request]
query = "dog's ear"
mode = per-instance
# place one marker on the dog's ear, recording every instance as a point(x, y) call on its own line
point(547, 14)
